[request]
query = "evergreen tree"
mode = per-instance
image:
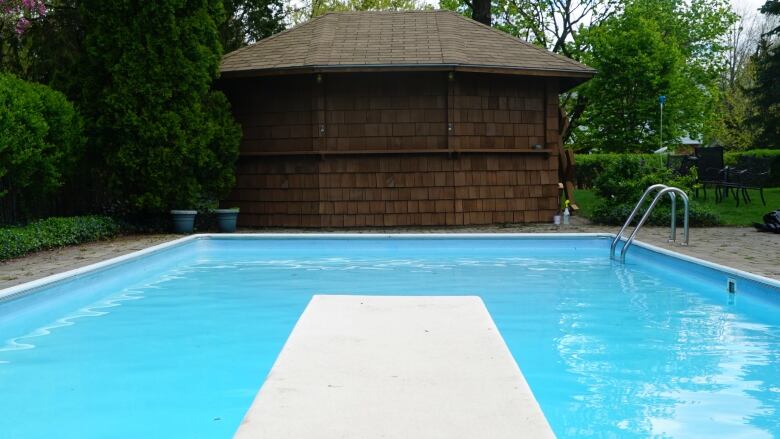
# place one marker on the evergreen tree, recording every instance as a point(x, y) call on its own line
point(765, 92)
point(159, 137)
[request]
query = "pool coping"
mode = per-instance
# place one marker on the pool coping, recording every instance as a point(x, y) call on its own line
point(38, 284)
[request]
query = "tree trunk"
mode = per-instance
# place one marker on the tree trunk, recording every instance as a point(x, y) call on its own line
point(571, 120)
point(480, 11)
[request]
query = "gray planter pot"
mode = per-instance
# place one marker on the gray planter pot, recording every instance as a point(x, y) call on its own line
point(183, 220)
point(226, 219)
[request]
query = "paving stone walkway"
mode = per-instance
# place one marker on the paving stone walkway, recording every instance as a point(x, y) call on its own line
point(737, 247)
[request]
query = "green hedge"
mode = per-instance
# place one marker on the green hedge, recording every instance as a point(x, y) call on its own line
point(589, 166)
point(55, 232)
point(616, 215)
point(732, 158)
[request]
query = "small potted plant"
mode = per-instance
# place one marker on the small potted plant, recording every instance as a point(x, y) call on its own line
point(183, 220)
point(226, 219)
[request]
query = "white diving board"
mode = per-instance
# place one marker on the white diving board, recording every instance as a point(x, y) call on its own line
point(366, 367)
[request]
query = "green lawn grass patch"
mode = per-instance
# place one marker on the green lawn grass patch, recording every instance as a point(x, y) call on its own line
point(729, 213)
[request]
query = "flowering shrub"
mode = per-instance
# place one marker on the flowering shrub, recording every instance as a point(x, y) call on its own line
point(19, 12)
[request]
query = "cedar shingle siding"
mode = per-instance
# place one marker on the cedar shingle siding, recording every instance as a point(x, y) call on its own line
point(380, 143)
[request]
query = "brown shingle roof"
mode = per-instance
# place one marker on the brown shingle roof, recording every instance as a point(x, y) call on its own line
point(427, 40)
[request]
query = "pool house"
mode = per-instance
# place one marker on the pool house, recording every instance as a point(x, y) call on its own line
point(396, 119)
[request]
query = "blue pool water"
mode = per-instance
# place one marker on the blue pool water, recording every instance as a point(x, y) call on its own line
point(177, 344)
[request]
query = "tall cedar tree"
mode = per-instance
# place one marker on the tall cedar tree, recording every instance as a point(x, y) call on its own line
point(158, 136)
point(766, 90)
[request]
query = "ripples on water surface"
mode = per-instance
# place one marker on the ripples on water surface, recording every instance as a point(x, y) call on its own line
point(177, 345)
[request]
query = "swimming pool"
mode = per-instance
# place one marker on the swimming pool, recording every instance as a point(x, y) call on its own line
point(177, 340)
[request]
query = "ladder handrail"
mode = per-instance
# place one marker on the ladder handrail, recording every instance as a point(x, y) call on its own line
point(670, 190)
point(633, 214)
point(673, 228)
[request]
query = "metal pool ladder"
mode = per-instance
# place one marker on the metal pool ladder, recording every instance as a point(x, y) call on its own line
point(662, 190)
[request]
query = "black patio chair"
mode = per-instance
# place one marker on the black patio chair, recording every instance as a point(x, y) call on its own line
point(710, 170)
point(750, 173)
point(680, 164)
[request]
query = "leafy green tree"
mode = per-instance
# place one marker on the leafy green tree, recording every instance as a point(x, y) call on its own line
point(552, 24)
point(730, 127)
point(40, 142)
point(636, 64)
point(248, 21)
point(649, 50)
point(51, 48)
point(159, 137)
point(765, 92)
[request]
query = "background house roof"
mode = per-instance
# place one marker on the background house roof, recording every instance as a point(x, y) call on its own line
point(409, 40)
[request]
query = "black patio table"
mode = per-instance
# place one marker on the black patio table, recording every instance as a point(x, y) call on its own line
point(750, 173)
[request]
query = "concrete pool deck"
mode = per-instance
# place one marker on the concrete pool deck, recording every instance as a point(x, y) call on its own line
point(370, 367)
point(738, 247)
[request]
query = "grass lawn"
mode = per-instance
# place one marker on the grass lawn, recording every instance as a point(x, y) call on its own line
point(730, 214)
point(586, 199)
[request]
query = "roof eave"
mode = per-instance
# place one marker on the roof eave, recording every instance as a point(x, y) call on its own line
point(577, 76)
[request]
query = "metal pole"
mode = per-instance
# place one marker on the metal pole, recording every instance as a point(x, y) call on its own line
point(662, 100)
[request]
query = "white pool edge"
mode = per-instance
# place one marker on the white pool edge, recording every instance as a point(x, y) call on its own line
point(54, 279)
point(712, 265)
